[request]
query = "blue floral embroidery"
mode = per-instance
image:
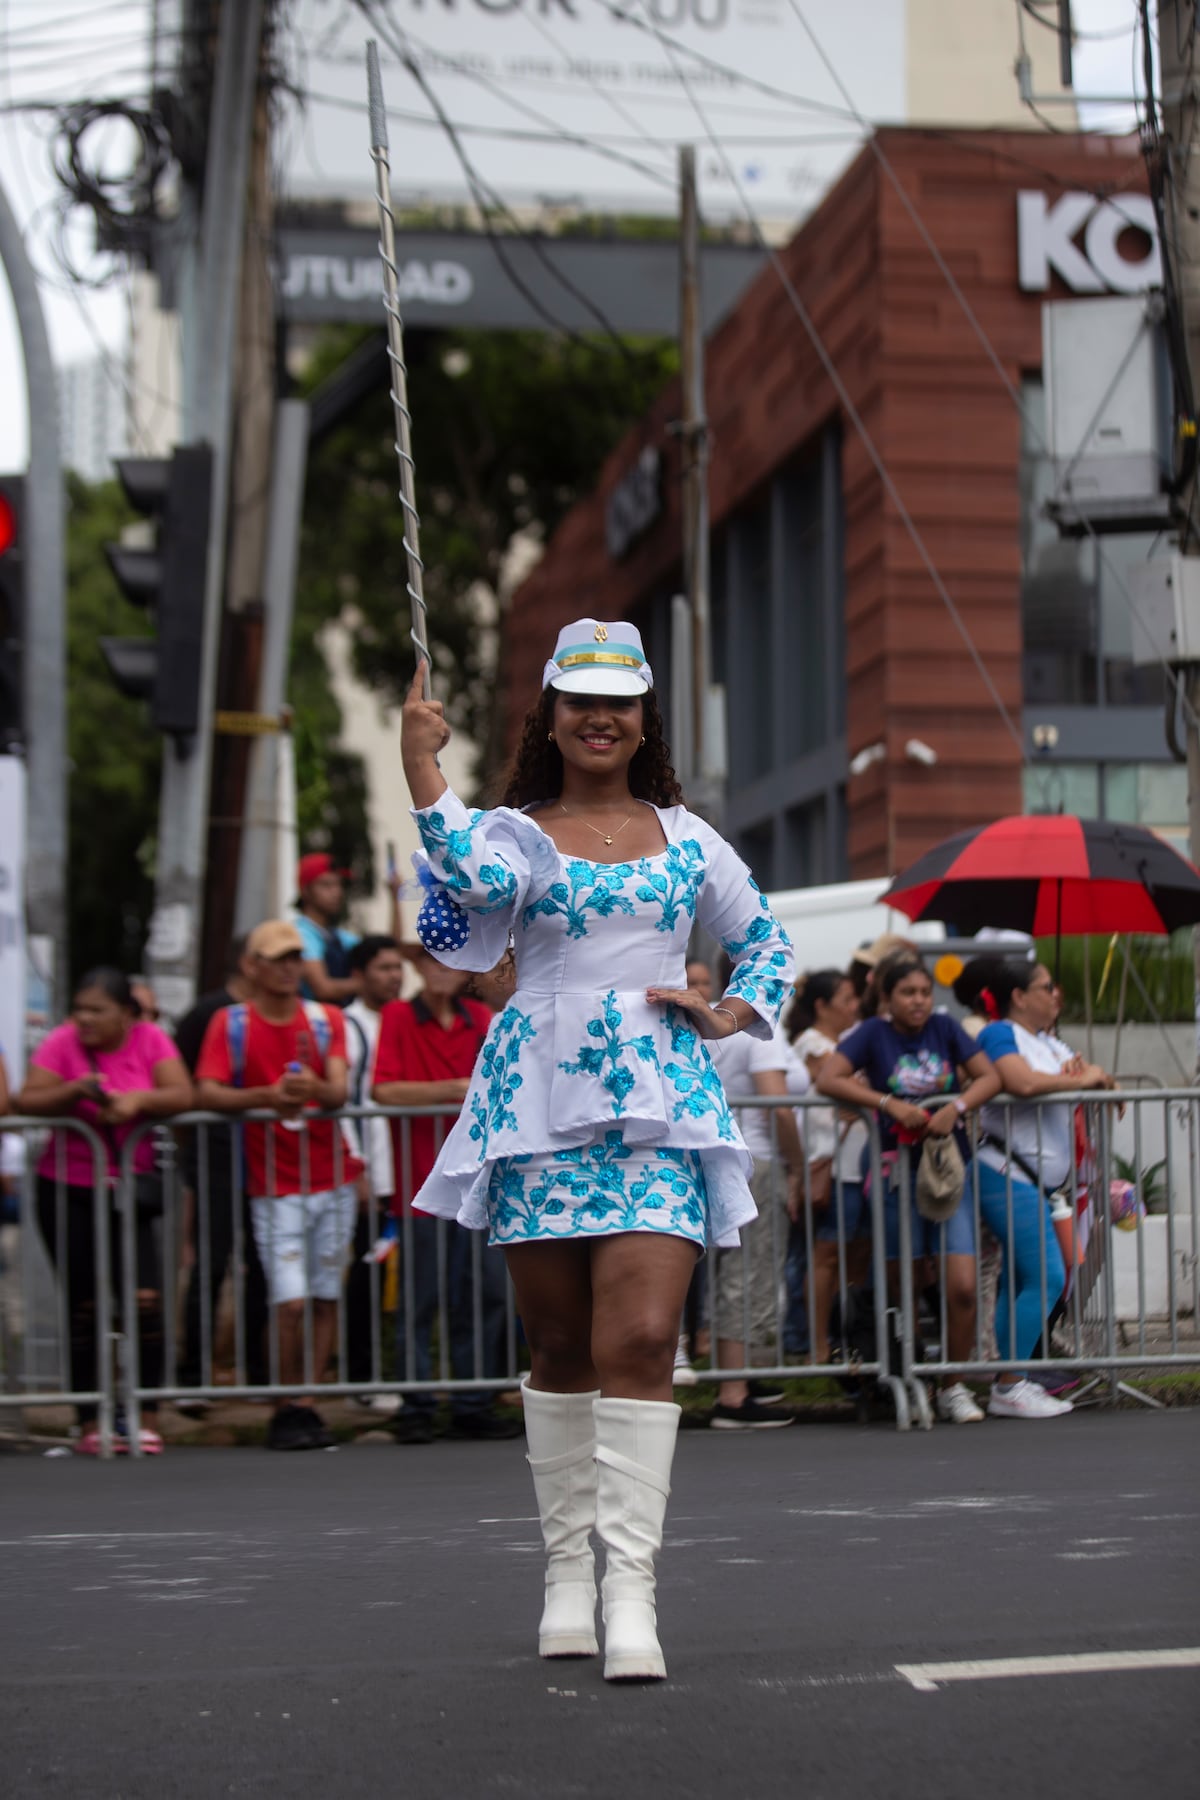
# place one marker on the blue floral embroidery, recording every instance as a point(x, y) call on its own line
point(693, 1076)
point(608, 1048)
point(493, 1110)
point(455, 852)
point(758, 978)
point(604, 898)
point(673, 881)
point(598, 1189)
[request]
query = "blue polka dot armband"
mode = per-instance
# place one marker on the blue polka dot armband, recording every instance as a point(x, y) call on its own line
point(441, 923)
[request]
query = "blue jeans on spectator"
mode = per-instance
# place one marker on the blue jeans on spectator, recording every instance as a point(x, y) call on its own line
point(460, 1312)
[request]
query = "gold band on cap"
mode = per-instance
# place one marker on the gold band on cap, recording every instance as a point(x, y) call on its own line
point(607, 659)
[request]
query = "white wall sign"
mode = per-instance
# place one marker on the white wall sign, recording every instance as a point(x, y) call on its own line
point(1076, 237)
point(513, 73)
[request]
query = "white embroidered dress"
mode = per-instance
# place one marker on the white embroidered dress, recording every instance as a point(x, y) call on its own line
point(592, 1111)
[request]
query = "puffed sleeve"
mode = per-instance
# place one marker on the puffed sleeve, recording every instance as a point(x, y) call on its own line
point(735, 912)
point(478, 869)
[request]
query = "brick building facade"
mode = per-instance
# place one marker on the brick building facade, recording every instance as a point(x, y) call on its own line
point(828, 632)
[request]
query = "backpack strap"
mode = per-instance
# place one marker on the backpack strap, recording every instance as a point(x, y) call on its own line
point(356, 1098)
point(322, 1030)
point(236, 1031)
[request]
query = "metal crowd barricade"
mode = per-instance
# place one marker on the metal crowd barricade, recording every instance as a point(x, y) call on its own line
point(467, 1328)
point(846, 1362)
point(1131, 1300)
point(49, 1322)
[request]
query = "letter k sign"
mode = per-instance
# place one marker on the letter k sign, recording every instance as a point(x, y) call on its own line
point(1044, 237)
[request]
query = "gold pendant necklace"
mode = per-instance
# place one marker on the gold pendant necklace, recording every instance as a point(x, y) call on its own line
point(608, 836)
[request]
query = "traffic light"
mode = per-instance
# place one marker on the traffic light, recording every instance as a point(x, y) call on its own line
point(168, 578)
point(12, 609)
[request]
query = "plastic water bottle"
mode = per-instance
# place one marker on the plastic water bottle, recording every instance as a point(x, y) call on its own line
point(293, 1068)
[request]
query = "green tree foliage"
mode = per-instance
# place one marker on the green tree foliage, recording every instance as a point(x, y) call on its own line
point(509, 430)
point(114, 754)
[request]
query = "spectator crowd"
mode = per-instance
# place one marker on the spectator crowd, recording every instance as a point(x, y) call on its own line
point(307, 1215)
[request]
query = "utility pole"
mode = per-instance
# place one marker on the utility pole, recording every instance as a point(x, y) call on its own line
point(706, 773)
point(44, 629)
point(1177, 25)
point(242, 676)
point(209, 386)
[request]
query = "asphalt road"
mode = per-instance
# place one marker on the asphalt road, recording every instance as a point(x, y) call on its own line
point(362, 1622)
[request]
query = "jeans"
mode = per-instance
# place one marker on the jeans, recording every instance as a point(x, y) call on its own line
point(220, 1219)
point(1032, 1227)
point(419, 1283)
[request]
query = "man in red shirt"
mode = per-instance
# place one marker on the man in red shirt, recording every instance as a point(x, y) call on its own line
point(279, 1054)
point(427, 1049)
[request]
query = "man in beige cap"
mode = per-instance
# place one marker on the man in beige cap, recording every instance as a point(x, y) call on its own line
point(277, 1053)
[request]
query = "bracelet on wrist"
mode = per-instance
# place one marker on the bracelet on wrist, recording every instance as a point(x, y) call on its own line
point(729, 1014)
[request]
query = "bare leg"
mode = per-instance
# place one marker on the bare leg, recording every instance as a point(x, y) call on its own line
point(553, 1286)
point(639, 1283)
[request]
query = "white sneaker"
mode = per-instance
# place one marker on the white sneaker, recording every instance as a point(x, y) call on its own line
point(1025, 1400)
point(386, 1405)
point(957, 1404)
point(684, 1375)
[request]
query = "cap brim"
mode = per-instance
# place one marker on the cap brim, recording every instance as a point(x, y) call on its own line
point(622, 682)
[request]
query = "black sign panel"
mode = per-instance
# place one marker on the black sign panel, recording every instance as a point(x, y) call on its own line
point(456, 278)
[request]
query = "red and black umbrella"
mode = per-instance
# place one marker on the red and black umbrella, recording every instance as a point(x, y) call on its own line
point(1053, 877)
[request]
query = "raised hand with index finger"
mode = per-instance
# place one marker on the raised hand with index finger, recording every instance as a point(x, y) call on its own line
point(423, 733)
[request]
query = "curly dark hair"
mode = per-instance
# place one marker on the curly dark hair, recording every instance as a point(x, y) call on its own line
point(536, 772)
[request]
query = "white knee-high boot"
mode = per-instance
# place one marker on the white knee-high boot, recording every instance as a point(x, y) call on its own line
point(561, 1435)
point(635, 1445)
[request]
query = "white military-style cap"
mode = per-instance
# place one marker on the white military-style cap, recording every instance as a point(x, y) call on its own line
point(593, 656)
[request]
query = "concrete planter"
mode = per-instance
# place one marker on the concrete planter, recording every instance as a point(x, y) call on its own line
point(1151, 1234)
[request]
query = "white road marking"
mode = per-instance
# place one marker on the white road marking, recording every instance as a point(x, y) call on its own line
point(927, 1677)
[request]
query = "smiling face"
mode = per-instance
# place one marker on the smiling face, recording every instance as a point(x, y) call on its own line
point(597, 734)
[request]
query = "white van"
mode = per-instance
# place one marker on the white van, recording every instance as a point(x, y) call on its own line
point(828, 924)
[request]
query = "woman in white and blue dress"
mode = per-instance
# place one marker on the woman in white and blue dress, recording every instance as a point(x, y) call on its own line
point(595, 1143)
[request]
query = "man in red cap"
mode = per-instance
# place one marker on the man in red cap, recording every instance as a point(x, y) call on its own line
point(327, 973)
point(326, 944)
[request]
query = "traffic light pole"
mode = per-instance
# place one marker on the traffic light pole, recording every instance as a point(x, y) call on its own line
point(44, 655)
point(210, 372)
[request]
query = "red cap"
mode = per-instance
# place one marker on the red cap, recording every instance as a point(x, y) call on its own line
point(315, 865)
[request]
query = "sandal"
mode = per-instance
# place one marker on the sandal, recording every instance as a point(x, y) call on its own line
point(90, 1445)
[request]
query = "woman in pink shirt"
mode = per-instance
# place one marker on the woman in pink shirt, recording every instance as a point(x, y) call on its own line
point(111, 1069)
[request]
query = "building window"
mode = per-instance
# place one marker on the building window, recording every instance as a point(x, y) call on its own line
point(752, 718)
point(1153, 794)
point(1076, 619)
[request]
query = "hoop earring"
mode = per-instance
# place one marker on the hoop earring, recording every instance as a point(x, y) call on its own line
point(643, 741)
point(549, 737)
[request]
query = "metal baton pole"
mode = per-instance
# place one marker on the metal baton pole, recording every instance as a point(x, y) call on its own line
point(399, 374)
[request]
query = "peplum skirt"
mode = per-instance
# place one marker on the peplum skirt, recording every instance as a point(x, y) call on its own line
point(597, 1189)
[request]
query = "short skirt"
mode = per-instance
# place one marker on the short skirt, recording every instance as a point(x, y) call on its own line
point(596, 1190)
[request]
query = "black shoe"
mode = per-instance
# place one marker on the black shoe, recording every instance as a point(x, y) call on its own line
point(412, 1426)
point(751, 1415)
point(297, 1428)
point(764, 1396)
point(490, 1425)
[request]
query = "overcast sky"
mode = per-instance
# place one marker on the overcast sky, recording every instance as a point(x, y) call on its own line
point(68, 50)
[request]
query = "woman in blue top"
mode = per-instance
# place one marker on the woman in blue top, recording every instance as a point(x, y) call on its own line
point(909, 1054)
point(1027, 1150)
